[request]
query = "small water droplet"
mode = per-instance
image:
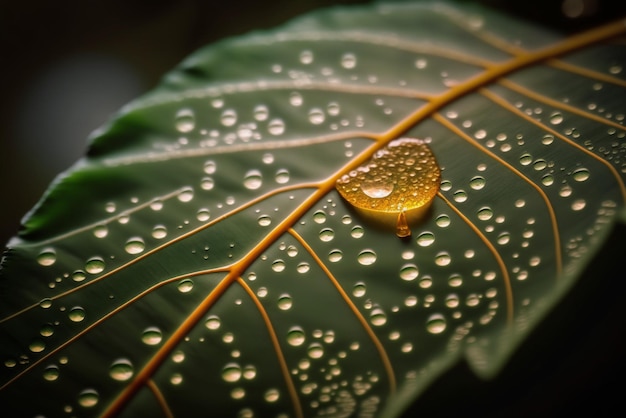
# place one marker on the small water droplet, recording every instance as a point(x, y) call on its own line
point(271, 395)
point(135, 245)
point(357, 231)
point(185, 286)
point(452, 300)
point(203, 215)
point(409, 272)
point(276, 127)
point(210, 167)
point(525, 159)
point(359, 290)
point(504, 238)
point(547, 180)
point(37, 346)
point(100, 231)
point(303, 267)
point(282, 176)
point(121, 370)
point(316, 116)
point(378, 317)
point(76, 314)
point(319, 217)
point(159, 232)
point(231, 372)
point(335, 255)
point(306, 57)
point(579, 204)
point(327, 234)
point(295, 99)
point(285, 302)
point(47, 257)
point(79, 276)
point(443, 221)
point(185, 120)
point(556, 118)
point(348, 61)
point(436, 324)
point(485, 213)
point(315, 350)
point(425, 239)
point(213, 322)
point(295, 336)
point(185, 195)
point(260, 113)
point(477, 182)
point(88, 398)
point(51, 373)
point(94, 265)
point(264, 220)
point(253, 180)
point(229, 117)
point(581, 174)
point(152, 336)
point(366, 257)
point(278, 265)
point(443, 259)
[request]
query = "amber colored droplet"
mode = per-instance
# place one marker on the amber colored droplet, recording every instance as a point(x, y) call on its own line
point(396, 186)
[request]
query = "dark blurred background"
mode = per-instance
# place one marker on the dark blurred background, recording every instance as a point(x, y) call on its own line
point(68, 65)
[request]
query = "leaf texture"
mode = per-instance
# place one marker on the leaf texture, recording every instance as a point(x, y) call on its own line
point(199, 259)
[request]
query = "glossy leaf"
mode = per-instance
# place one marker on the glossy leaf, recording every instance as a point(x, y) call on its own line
point(199, 259)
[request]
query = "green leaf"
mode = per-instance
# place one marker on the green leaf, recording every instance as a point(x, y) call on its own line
point(199, 259)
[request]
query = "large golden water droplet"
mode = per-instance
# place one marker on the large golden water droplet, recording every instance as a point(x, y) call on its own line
point(396, 186)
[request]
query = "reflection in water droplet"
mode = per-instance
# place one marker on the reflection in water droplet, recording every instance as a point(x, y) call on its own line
point(436, 324)
point(295, 336)
point(51, 373)
point(253, 180)
point(88, 398)
point(409, 272)
point(231, 372)
point(335, 255)
point(213, 322)
point(121, 369)
point(378, 317)
point(366, 257)
point(443, 259)
point(271, 395)
point(76, 314)
point(185, 286)
point(229, 117)
point(47, 257)
point(316, 116)
point(348, 61)
point(285, 302)
point(282, 176)
point(581, 174)
point(134, 245)
point(94, 265)
point(326, 234)
point(185, 120)
point(152, 336)
point(315, 350)
point(359, 290)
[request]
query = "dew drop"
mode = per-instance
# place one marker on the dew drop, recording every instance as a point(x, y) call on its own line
point(504, 238)
point(185, 286)
point(359, 290)
point(203, 215)
point(253, 180)
point(159, 232)
point(335, 255)
point(271, 395)
point(135, 245)
point(45, 303)
point(79, 276)
point(210, 167)
point(101, 231)
point(278, 265)
point(121, 370)
point(315, 350)
point(303, 267)
point(409, 272)
point(37, 346)
point(556, 118)
point(285, 302)
point(525, 159)
point(327, 234)
point(186, 194)
point(443, 259)
point(231, 372)
point(264, 220)
point(316, 116)
point(378, 317)
point(76, 314)
point(51, 373)
point(425, 239)
point(581, 174)
point(260, 113)
point(229, 117)
point(578, 204)
point(485, 213)
point(213, 322)
point(276, 127)
point(88, 398)
point(295, 336)
point(295, 99)
point(282, 176)
point(94, 265)
point(306, 57)
point(319, 217)
point(348, 61)
point(436, 324)
point(333, 108)
point(366, 257)
point(357, 231)
point(477, 182)
point(547, 180)
point(185, 120)
point(443, 221)
point(152, 336)
point(47, 257)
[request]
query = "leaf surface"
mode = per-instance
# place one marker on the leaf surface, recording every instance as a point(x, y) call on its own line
point(200, 259)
